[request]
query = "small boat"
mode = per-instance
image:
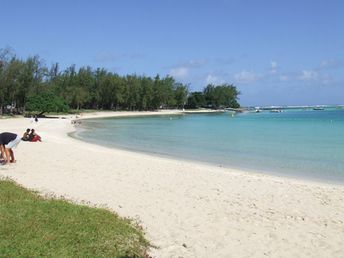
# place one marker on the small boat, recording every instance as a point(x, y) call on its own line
point(275, 111)
point(318, 108)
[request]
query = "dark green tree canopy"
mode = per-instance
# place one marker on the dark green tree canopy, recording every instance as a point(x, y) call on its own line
point(215, 96)
point(196, 100)
point(29, 85)
point(46, 102)
point(224, 95)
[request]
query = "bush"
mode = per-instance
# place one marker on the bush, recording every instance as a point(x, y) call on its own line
point(46, 102)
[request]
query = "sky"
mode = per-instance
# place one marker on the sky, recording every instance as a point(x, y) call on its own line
point(275, 52)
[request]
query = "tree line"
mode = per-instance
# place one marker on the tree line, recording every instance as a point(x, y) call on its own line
point(29, 85)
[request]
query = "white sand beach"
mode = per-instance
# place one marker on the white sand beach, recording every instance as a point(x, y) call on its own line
point(187, 209)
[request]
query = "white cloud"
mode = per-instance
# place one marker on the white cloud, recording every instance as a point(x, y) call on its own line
point(195, 63)
point(331, 64)
point(273, 68)
point(212, 79)
point(247, 77)
point(326, 79)
point(328, 63)
point(308, 75)
point(179, 72)
point(183, 70)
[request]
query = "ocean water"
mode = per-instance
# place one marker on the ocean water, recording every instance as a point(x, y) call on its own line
point(294, 143)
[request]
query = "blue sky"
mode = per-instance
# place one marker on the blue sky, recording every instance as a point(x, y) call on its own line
point(276, 52)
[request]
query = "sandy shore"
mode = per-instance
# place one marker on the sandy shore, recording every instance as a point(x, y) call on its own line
point(187, 209)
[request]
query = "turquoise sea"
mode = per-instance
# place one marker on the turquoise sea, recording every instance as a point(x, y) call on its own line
point(293, 143)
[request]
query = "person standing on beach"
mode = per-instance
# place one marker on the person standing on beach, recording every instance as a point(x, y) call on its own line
point(7, 142)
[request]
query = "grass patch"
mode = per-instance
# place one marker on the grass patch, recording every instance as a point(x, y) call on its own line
point(32, 226)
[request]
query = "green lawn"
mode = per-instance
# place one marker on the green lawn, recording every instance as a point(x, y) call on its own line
point(32, 226)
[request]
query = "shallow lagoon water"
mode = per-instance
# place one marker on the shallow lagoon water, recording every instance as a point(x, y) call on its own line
point(304, 143)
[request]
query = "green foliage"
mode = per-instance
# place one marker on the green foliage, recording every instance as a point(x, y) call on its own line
point(215, 96)
point(46, 102)
point(35, 227)
point(196, 100)
point(224, 95)
point(180, 95)
point(22, 83)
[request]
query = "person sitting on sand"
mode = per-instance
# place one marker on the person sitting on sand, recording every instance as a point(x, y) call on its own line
point(7, 142)
point(26, 135)
point(33, 137)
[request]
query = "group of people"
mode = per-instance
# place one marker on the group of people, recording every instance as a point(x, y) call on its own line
point(8, 141)
point(31, 136)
